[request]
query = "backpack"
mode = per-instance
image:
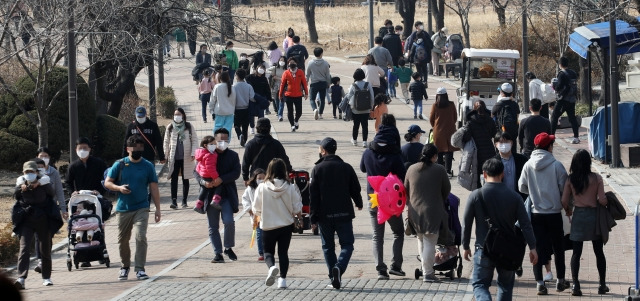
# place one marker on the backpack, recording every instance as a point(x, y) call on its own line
point(296, 54)
point(505, 119)
point(570, 92)
point(420, 53)
point(548, 94)
point(455, 46)
point(362, 98)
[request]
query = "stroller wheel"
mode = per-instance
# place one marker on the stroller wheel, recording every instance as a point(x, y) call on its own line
point(107, 262)
point(418, 273)
point(77, 266)
point(69, 266)
point(452, 274)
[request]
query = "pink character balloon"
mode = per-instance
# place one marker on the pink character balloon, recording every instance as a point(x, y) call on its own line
point(389, 196)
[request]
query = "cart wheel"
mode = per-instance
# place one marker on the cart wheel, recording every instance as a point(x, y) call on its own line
point(69, 266)
point(316, 232)
point(107, 262)
point(418, 273)
point(452, 274)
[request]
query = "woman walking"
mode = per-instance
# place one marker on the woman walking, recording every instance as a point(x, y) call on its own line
point(412, 151)
point(223, 104)
point(443, 119)
point(274, 53)
point(180, 144)
point(481, 128)
point(360, 118)
point(427, 185)
point(372, 73)
point(293, 87)
point(276, 202)
point(276, 78)
point(205, 88)
point(587, 190)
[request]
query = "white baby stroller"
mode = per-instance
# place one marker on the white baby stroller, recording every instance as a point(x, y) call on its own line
point(86, 231)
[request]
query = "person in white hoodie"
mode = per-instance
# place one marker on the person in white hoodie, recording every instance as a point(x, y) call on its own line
point(276, 202)
point(543, 179)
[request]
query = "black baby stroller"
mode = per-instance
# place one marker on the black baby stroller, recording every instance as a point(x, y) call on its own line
point(450, 263)
point(86, 231)
point(301, 179)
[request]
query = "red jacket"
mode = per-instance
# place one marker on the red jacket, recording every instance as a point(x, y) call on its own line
point(294, 83)
point(207, 162)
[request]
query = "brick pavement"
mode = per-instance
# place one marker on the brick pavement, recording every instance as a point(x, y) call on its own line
point(179, 253)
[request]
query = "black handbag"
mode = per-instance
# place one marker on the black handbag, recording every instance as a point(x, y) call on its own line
point(505, 247)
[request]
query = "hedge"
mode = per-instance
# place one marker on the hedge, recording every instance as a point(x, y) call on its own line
point(16, 151)
point(110, 132)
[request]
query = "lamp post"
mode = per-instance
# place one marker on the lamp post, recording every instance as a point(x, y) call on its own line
point(613, 84)
point(525, 57)
point(72, 85)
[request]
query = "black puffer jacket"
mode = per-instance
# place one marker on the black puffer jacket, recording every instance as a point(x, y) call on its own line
point(333, 185)
point(482, 128)
point(274, 149)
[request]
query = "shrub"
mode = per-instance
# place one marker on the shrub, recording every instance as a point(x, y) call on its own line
point(9, 246)
point(110, 132)
point(22, 127)
point(16, 151)
point(58, 116)
point(166, 100)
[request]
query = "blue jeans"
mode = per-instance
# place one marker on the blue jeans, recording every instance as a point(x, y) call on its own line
point(232, 73)
point(252, 118)
point(213, 217)
point(483, 274)
point(224, 121)
point(345, 238)
point(315, 89)
point(259, 241)
point(392, 88)
point(205, 98)
point(417, 104)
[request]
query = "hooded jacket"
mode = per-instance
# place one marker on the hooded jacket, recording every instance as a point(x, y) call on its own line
point(333, 185)
point(318, 71)
point(207, 162)
point(543, 179)
point(276, 203)
point(482, 129)
point(382, 158)
point(274, 149)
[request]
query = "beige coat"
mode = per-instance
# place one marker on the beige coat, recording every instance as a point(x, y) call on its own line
point(190, 145)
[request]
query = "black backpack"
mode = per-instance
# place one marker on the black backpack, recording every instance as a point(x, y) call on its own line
point(362, 98)
point(296, 54)
point(570, 92)
point(505, 118)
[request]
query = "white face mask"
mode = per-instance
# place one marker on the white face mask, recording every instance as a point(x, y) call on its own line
point(83, 153)
point(504, 147)
point(421, 27)
point(46, 161)
point(177, 119)
point(141, 119)
point(41, 170)
point(259, 181)
point(281, 63)
point(243, 57)
point(260, 71)
point(30, 177)
point(211, 148)
point(398, 32)
point(222, 145)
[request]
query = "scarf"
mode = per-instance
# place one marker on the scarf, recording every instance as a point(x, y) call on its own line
point(180, 127)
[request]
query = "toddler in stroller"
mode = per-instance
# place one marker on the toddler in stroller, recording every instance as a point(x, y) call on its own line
point(86, 231)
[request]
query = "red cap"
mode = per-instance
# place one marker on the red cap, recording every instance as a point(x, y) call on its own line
point(543, 140)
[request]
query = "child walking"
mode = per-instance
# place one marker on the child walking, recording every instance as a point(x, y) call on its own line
point(393, 80)
point(204, 89)
point(404, 76)
point(247, 202)
point(207, 160)
point(379, 108)
point(418, 92)
point(337, 93)
point(276, 203)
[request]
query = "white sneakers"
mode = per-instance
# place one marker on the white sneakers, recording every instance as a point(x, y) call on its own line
point(548, 276)
point(282, 283)
point(364, 144)
point(575, 140)
point(47, 282)
point(316, 114)
point(253, 131)
point(271, 276)
point(19, 284)
point(353, 141)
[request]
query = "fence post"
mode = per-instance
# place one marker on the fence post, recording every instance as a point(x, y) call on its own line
point(246, 33)
point(269, 14)
point(255, 17)
point(378, 9)
point(338, 42)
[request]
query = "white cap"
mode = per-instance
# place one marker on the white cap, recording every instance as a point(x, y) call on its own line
point(506, 88)
point(441, 90)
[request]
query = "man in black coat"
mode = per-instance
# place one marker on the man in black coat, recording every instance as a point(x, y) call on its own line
point(513, 162)
point(260, 150)
point(333, 185)
point(153, 144)
point(298, 52)
point(392, 42)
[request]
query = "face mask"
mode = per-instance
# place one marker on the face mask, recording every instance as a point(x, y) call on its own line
point(504, 147)
point(211, 148)
point(421, 27)
point(83, 153)
point(259, 181)
point(260, 71)
point(320, 155)
point(243, 57)
point(177, 119)
point(136, 155)
point(141, 119)
point(281, 63)
point(46, 161)
point(293, 67)
point(222, 145)
point(41, 170)
point(398, 32)
point(30, 177)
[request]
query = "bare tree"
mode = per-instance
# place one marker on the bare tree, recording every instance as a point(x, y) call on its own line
point(437, 10)
point(407, 10)
point(462, 8)
point(501, 10)
point(310, 15)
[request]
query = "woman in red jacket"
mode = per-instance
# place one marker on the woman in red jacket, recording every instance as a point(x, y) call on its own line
point(293, 86)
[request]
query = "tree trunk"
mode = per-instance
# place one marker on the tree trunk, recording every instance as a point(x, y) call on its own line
point(464, 21)
point(437, 10)
point(226, 22)
point(407, 10)
point(501, 11)
point(585, 90)
point(43, 127)
point(310, 15)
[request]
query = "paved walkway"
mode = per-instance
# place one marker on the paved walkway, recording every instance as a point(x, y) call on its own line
point(179, 251)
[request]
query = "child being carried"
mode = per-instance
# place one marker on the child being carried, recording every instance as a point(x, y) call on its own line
point(207, 160)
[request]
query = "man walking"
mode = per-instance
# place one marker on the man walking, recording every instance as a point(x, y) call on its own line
point(298, 52)
point(318, 77)
point(543, 178)
point(260, 150)
point(134, 178)
point(150, 135)
point(566, 89)
point(531, 126)
point(417, 48)
point(506, 112)
point(393, 43)
point(383, 59)
point(505, 207)
point(513, 162)
point(333, 185)
point(229, 171)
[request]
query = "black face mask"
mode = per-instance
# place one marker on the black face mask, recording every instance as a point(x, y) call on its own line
point(136, 155)
point(320, 155)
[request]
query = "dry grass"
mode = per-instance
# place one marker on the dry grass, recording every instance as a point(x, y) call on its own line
point(350, 22)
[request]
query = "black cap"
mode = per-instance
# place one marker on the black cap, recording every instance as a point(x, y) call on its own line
point(263, 123)
point(328, 144)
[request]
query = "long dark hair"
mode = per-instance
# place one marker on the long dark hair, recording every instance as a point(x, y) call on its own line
point(272, 46)
point(428, 151)
point(290, 32)
point(442, 100)
point(276, 170)
point(480, 107)
point(253, 181)
point(580, 170)
point(258, 59)
point(224, 77)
